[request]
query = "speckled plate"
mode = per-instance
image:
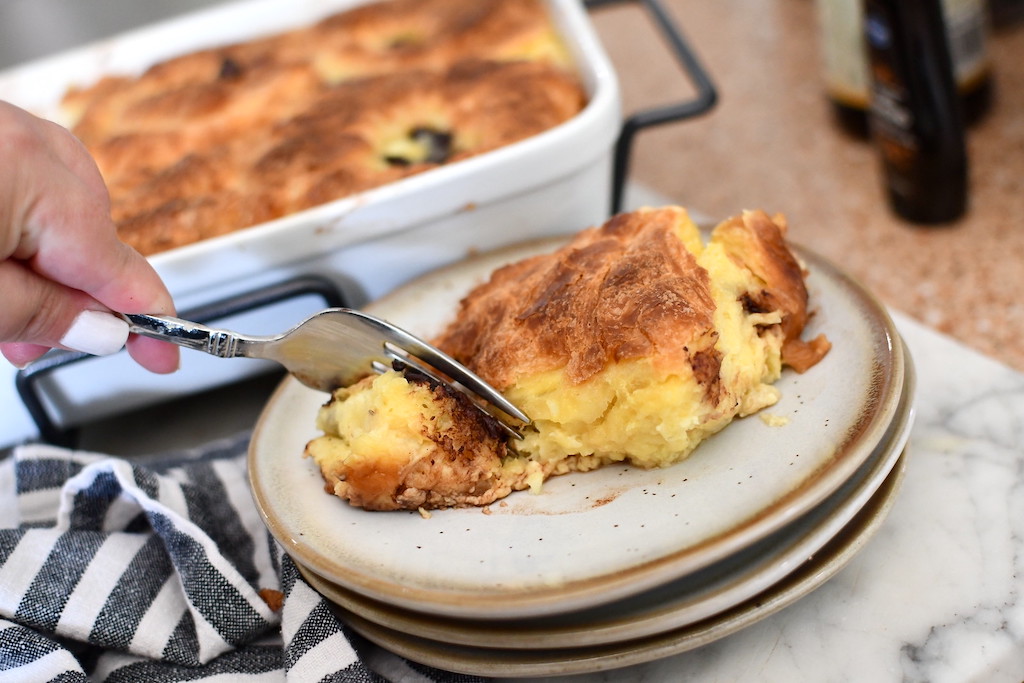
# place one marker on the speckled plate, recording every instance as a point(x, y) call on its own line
point(590, 539)
point(507, 663)
point(682, 602)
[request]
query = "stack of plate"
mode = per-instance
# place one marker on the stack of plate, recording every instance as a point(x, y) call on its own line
point(621, 565)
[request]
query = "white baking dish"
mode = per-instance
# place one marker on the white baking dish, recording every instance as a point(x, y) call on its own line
point(557, 182)
point(464, 204)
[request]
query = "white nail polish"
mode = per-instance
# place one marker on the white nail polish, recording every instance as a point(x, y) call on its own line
point(97, 333)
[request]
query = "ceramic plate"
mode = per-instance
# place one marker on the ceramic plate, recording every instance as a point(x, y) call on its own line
point(678, 603)
point(564, 661)
point(590, 539)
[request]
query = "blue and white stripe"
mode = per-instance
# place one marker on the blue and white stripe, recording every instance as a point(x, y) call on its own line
point(117, 570)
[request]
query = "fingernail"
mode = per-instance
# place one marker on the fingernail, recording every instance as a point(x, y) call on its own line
point(97, 333)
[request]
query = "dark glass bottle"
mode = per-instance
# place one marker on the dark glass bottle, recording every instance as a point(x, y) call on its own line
point(846, 70)
point(914, 116)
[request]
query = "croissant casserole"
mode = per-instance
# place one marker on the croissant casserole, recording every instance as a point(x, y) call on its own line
point(225, 138)
point(632, 343)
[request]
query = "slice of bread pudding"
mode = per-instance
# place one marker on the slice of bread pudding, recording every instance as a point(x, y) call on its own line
point(633, 343)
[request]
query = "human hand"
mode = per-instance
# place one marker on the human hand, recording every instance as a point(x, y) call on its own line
point(62, 267)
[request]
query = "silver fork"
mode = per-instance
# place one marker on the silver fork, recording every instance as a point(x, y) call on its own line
point(334, 348)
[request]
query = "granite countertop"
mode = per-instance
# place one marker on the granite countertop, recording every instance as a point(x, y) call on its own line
point(771, 143)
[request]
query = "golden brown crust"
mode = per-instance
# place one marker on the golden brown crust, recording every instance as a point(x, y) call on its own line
point(417, 34)
point(311, 115)
point(629, 289)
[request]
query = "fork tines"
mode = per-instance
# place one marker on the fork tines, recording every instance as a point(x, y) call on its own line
point(478, 391)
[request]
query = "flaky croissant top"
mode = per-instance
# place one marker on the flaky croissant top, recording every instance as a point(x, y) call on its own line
point(629, 289)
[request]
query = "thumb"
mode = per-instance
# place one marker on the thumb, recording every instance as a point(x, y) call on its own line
point(53, 315)
point(50, 314)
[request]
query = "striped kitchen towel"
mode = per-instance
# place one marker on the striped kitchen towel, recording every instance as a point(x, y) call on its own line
point(160, 569)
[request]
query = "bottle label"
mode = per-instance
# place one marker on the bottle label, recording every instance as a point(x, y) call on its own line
point(892, 122)
point(968, 40)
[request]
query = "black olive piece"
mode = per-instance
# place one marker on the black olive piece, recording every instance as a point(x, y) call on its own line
point(229, 69)
point(437, 142)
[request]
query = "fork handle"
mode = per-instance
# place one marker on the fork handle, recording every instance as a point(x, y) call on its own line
point(221, 343)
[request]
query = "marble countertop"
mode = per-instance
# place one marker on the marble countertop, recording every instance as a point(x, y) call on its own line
point(771, 143)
